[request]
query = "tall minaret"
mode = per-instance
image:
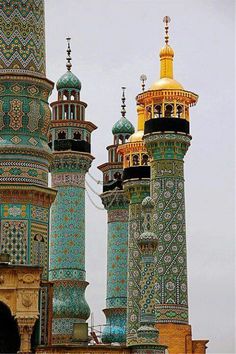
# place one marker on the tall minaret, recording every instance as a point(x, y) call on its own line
point(25, 198)
point(136, 186)
point(70, 139)
point(116, 203)
point(166, 137)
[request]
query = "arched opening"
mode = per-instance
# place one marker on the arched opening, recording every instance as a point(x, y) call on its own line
point(179, 110)
point(72, 112)
point(157, 111)
point(61, 135)
point(9, 334)
point(135, 159)
point(117, 176)
point(168, 110)
point(148, 112)
point(77, 136)
point(144, 160)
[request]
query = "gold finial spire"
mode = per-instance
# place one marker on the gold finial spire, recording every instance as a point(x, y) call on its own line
point(166, 54)
point(68, 58)
point(167, 20)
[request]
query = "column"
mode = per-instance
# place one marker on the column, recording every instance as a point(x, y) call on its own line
point(167, 191)
point(67, 246)
point(116, 204)
point(136, 191)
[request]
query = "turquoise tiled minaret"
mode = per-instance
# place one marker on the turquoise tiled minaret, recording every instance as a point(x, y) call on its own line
point(136, 186)
point(25, 198)
point(167, 138)
point(147, 333)
point(70, 139)
point(116, 204)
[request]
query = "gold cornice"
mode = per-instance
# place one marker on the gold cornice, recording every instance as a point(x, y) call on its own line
point(148, 96)
point(131, 147)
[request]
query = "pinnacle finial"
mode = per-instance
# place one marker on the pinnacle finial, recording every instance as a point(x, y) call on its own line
point(123, 105)
point(143, 79)
point(166, 20)
point(68, 58)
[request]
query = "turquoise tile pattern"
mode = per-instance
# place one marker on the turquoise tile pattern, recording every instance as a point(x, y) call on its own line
point(137, 190)
point(117, 242)
point(167, 191)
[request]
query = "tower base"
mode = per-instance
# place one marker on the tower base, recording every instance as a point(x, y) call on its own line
point(178, 338)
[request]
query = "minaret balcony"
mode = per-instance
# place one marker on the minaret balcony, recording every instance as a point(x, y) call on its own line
point(136, 172)
point(166, 124)
point(71, 144)
point(111, 185)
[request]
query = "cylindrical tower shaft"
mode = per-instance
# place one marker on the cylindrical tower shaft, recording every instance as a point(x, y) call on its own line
point(70, 138)
point(136, 190)
point(25, 198)
point(166, 137)
point(67, 246)
point(24, 122)
point(116, 204)
point(167, 190)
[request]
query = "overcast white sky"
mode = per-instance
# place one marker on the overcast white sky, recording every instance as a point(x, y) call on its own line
point(113, 42)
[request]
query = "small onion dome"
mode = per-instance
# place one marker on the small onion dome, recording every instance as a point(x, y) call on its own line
point(166, 83)
point(123, 126)
point(166, 51)
point(137, 136)
point(68, 81)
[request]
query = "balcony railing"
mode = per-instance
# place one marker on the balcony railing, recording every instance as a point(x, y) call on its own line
point(71, 144)
point(166, 124)
point(136, 172)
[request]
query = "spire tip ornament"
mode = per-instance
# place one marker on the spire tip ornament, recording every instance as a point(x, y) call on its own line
point(167, 20)
point(68, 58)
point(123, 105)
point(143, 79)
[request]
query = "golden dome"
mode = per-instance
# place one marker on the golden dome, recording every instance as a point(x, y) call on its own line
point(166, 51)
point(166, 83)
point(137, 136)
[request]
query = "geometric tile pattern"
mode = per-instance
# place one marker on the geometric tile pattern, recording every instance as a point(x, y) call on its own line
point(147, 333)
point(115, 329)
point(69, 306)
point(67, 246)
point(167, 191)
point(22, 36)
point(16, 114)
point(138, 191)
point(14, 240)
point(39, 213)
point(67, 241)
point(117, 246)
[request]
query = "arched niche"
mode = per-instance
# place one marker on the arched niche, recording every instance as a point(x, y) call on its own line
point(9, 333)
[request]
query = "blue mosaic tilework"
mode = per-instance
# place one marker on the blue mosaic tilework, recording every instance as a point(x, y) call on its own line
point(67, 244)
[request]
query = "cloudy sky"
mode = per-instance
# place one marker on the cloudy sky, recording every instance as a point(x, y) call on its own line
point(113, 42)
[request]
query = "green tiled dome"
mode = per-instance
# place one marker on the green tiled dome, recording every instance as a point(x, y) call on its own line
point(69, 81)
point(123, 126)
